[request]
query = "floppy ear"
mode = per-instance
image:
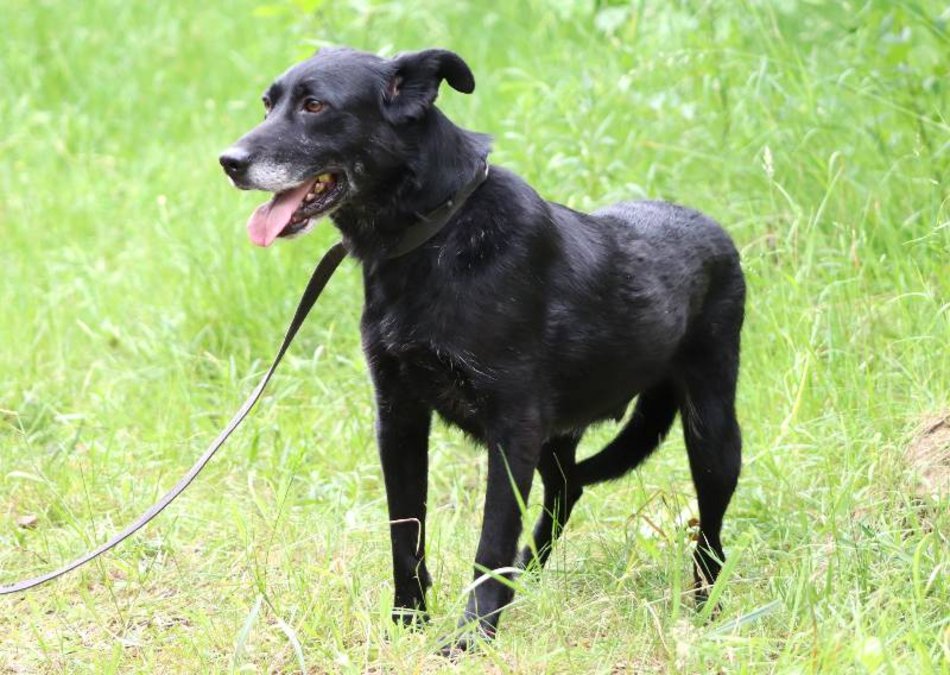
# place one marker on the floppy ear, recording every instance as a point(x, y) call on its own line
point(415, 78)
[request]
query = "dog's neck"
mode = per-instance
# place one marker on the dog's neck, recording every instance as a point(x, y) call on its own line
point(438, 162)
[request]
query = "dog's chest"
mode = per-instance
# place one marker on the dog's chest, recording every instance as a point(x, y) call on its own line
point(445, 382)
point(436, 332)
point(443, 374)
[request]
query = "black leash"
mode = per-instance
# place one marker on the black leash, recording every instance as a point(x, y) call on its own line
point(413, 237)
point(318, 281)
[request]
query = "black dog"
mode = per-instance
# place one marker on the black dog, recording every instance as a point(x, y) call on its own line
point(519, 320)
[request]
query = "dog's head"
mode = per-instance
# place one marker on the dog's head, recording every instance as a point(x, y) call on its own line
point(333, 127)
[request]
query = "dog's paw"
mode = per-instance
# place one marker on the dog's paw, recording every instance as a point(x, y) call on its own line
point(470, 635)
point(413, 619)
point(455, 647)
point(700, 594)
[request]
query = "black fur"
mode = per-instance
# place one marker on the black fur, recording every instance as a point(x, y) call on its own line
point(523, 322)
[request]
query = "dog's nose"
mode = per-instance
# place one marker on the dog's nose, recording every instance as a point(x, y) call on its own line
point(235, 161)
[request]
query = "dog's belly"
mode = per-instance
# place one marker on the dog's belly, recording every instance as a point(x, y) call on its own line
point(578, 395)
point(597, 365)
point(596, 393)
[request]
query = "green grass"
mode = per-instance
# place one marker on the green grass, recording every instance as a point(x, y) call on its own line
point(136, 316)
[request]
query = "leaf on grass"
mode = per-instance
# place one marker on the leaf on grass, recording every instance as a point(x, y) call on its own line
point(754, 615)
point(294, 642)
point(26, 476)
point(28, 521)
point(241, 642)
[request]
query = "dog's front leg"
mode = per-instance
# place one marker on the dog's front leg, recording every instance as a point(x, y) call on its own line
point(402, 431)
point(512, 461)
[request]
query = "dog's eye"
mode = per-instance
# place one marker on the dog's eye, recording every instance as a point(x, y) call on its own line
point(312, 105)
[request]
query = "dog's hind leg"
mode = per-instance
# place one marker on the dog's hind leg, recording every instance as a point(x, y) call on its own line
point(652, 418)
point(564, 480)
point(714, 445)
point(561, 491)
point(710, 369)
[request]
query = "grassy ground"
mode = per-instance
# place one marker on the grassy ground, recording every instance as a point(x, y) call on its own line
point(135, 316)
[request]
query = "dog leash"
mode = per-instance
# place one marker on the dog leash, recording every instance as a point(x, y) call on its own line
point(413, 237)
point(318, 281)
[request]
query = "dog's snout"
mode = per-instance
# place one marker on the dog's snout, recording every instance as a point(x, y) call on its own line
point(235, 161)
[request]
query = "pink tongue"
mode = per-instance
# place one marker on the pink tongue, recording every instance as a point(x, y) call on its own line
point(268, 220)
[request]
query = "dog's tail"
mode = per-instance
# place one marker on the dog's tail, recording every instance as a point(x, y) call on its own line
point(651, 421)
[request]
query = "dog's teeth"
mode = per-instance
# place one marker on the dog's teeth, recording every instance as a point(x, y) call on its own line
point(310, 197)
point(318, 188)
point(324, 178)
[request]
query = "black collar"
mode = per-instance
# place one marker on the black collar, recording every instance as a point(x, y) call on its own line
point(431, 223)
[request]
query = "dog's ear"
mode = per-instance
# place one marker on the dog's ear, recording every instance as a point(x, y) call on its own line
point(414, 81)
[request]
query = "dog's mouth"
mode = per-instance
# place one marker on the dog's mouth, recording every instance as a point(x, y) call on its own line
point(294, 211)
